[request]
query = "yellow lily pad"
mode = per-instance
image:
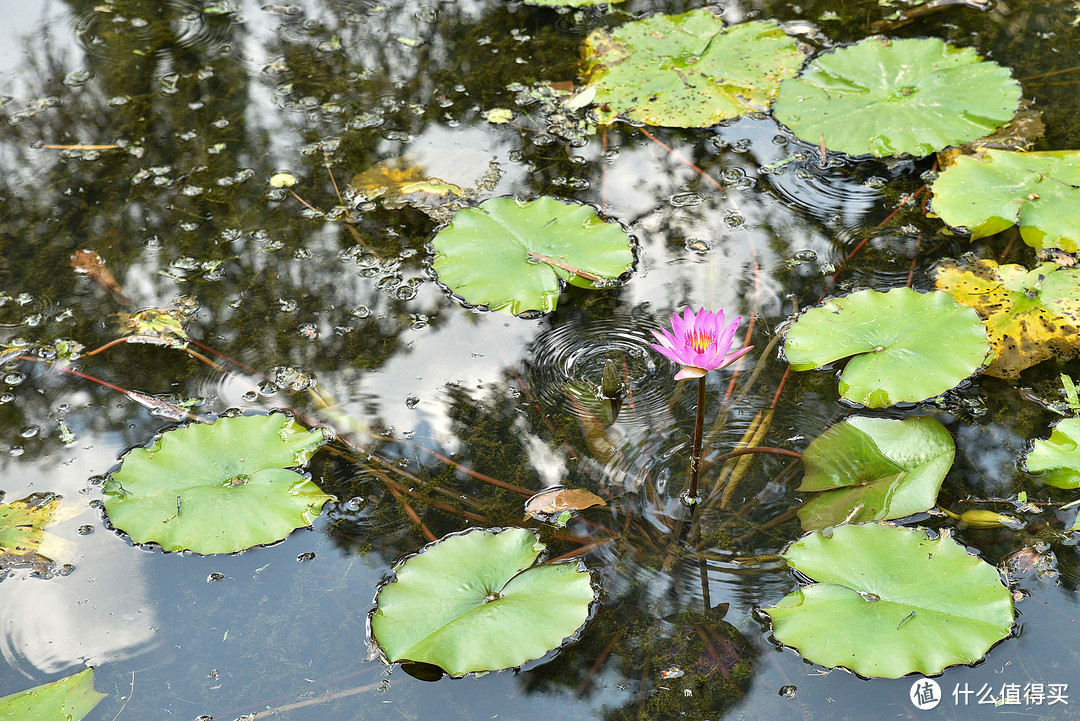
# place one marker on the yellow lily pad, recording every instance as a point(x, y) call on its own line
point(23, 539)
point(156, 326)
point(1030, 315)
point(396, 179)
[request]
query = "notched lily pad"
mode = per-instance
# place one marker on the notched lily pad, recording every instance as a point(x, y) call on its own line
point(475, 601)
point(1031, 315)
point(514, 256)
point(874, 469)
point(689, 70)
point(997, 189)
point(890, 601)
point(905, 346)
point(217, 487)
point(70, 698)
point(891, 97)
point(1057, 459)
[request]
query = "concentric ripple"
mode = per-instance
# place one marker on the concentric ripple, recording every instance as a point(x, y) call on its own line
point(567, 366)
point(107, 33)
point(828, 194)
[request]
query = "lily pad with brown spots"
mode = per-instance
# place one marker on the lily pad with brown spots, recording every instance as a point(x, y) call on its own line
point(689, 70)
point(1031, 315)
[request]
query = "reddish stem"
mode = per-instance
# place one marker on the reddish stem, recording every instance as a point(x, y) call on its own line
point(675, 154)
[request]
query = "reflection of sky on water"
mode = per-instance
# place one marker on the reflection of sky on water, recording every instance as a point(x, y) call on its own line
point(101, 612)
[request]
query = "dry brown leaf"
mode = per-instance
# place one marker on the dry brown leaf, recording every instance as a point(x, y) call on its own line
point(555, 501)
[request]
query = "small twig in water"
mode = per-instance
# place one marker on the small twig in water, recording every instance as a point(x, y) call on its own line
point(130, 694)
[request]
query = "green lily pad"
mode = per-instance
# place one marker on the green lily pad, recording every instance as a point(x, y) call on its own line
point(1031, 315)
point(474, 601)
point(689, 70)
point(70, 698)
point(890, 601)
point(217, 487)
point(514, 256)
point(889, 97)
point(1058, 458)
point(906, 346)
point(885, 467)
point(997, 189)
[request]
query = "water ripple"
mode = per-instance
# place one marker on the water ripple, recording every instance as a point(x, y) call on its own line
point(106, 33)
point(567, 365)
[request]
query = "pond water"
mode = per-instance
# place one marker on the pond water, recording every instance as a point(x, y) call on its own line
point(199, 104)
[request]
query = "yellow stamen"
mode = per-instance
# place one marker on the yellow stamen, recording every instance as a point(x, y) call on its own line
point(700, 341)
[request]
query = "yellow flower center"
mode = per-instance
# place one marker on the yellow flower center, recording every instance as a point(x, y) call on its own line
point(700, 341)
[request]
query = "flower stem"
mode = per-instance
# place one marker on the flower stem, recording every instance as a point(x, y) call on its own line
point(695, 458)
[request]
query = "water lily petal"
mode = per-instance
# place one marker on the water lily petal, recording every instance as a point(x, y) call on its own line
point(736, 356)
point(698, 341)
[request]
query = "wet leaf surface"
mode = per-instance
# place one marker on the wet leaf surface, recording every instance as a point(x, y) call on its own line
point(155, 326)
point(1056, 460)
point(555, 502)
point(892, 97)
point(70, 698)
point(905, 346)
point(874, 469)
point(1031, 315)
point(688, 70)
point(475, 601)
point(890, 601)
point(217, 487)
point(22, 531)
point(997, 189)
point(514, 256)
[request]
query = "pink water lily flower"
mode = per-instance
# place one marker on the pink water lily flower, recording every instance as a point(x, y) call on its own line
point(700, 342)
